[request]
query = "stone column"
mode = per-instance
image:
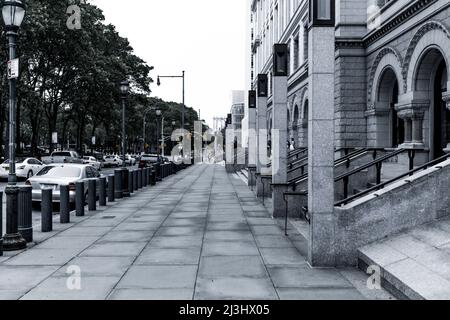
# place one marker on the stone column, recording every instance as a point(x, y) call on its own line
point(446, 98)
point(412, 110)
point(252, 151)
point(321, 246)
point(261, 126)
point(280, 130)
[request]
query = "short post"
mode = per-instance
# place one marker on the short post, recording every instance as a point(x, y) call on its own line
point(47, 210)
point(145, 177)
point(147, 181)
point(125, 190)
point(92, 195)
point(135, 180)
point(25, 213)
point(111, 191)
point(130, 181)
point(1, 225)
point(12, 240)
point(140, 178)
point(102, 192)
point(118, 184)
point(64, 204)
point(152, 176)
point(79, 199)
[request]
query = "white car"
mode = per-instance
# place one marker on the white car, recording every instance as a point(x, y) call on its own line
point(113, 161)
point(55, 175)
point(25, 168)
point(92, 162)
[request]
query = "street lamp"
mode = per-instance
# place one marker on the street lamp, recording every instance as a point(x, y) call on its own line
point(124, 90)
point(13, 13)
point(158, 82)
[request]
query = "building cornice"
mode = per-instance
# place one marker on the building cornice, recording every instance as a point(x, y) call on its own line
point(400, 18)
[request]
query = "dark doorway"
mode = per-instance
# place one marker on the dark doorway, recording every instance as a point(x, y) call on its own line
point(397, 124)
point(441, 132)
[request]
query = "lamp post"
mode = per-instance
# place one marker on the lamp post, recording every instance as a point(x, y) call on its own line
point(13, 12)
point(145, 122)
point(124, 90)
point(159, 129)
point(183, 105)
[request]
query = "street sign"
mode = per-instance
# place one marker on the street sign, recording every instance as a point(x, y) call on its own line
point(93, 141)
point(13, 69)
point(55, 137)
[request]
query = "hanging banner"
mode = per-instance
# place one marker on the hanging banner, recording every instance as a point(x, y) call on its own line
point(13, 69)
point(55, 137)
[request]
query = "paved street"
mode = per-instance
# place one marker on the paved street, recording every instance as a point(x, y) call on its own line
point(200, 234)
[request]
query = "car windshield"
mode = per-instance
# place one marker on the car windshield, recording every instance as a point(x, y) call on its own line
point(60, 172)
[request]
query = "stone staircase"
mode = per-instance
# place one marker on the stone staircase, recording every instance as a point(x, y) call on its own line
point(414, 264)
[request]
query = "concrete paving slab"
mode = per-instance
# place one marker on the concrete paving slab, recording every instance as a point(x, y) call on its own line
point(159, 277)
point(229, 248)
point(97, 266)
point(235, 288)
point(43, 257)
point(152, 294)
point(282, 256)
point(127, 236)
point(55, 288)
point(232, 266)
point(176, 241)
point(114, 249)
point(169, 256)
point(23, 278)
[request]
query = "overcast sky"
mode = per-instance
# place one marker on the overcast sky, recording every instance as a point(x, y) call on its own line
point(206, 38)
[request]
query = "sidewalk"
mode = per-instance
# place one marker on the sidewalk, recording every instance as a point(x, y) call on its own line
point(200, 234)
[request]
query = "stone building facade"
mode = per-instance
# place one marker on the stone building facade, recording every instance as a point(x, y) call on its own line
point(392, 63)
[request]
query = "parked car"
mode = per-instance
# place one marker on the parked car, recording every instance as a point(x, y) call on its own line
point(93, 162)
point(129, 160)
point(148, 160)
point(63, 157)
point(25, 168)
point(54, 175)
point(112, 161)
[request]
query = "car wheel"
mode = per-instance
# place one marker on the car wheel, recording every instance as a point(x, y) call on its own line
point(30, 174)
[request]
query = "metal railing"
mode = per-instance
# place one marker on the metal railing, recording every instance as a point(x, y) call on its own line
point(381, 185)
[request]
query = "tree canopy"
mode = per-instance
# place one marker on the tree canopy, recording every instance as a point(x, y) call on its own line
point(69, 81)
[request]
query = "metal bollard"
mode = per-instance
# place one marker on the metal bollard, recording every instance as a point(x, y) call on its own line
point(118, 184)
point(125, 190)
point(1, 224)
point(25, 226)
point(64, 204)
point(102, 192)
point(152, 176)
point(130, 181)
point(79, 199)
point(149, 179)
point(144, 177)
point(111, 191)
point(47, 210)
point(135, 180)
point(140, 178)
point(92, 195)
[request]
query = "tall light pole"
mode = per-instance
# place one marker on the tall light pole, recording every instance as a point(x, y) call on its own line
point(124, 90)
point(145, 122)
point(159, 129)
point(183, 103)
point(13, 12)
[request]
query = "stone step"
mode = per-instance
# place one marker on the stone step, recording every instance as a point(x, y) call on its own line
point(414, 264)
